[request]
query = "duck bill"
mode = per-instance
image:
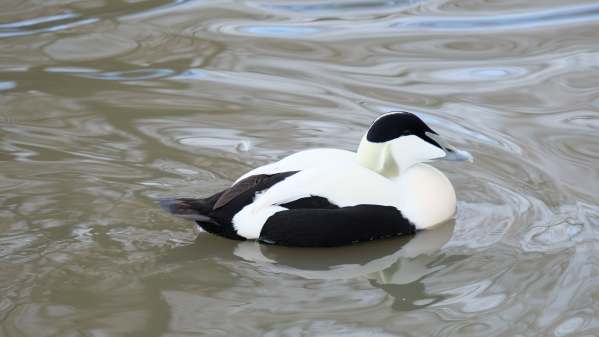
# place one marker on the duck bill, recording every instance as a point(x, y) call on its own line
point(451, 153)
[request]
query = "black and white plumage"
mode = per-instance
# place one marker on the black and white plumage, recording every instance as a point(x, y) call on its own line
point(330, 197)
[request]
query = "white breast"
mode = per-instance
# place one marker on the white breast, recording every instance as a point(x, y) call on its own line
point(427, 197)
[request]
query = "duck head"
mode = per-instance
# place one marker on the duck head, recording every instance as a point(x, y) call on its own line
point(397, 140)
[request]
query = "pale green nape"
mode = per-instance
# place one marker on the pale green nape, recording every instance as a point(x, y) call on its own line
point(377, 157)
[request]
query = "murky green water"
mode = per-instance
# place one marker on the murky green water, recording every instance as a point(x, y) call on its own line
point(106, 104)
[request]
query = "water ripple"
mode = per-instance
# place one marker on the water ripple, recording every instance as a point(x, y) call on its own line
point(89, 47)
point(479, 74)
point(409, 24)
point(37, 21)
point(128, 75)
point(279, 30)
point(48, 24)
point(318, 8)
point(178, 98)
point(551, 17)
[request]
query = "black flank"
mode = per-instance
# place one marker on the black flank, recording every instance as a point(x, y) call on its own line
point(335, 226)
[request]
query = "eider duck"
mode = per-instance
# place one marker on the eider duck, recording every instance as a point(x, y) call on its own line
point(330, 197)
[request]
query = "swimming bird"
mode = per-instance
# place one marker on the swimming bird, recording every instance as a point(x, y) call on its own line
point(332, 197)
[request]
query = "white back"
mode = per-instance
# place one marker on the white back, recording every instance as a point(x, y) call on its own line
point(303, 160)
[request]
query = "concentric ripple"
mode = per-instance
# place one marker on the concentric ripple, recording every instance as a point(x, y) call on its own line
point(107, 105)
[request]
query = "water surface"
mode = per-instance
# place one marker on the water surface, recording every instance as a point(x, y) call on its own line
point(105, 105)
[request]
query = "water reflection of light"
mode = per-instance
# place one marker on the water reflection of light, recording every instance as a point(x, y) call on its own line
point(31, 26)
point(67, 70)
point(125, 75)
point(161, 9)
point(279, 30)
point(479, 73)
point(337, 6)
point(566, 14)
point(6, 85)
point(194, 73)
point(37, 21)
point(128, 75)
point(344, 27)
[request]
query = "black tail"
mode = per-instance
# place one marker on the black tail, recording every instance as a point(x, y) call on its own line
point(187, 208)
point(190, 208)
point(202, 212)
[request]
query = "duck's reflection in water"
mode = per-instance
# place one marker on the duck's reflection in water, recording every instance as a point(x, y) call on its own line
point(396, 266)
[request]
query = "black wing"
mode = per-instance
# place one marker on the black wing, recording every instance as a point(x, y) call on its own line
point(215, 213)
point(252, 183)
